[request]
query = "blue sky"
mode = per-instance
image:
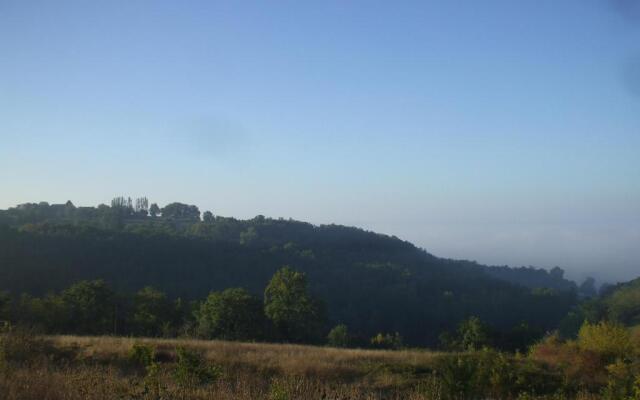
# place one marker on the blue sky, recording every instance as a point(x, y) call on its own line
point(498, 131)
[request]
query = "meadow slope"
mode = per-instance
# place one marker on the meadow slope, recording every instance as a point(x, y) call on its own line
point(74, 367)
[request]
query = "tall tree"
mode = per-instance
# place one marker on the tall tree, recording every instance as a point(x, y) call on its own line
point(90, 306)
point(588, 287)
point(142, 205)
point(557, 272)
point(152, 312)
point(154, 210)
point(181, 211)
point(207, 217)
point(233, 314)
point(295, 315)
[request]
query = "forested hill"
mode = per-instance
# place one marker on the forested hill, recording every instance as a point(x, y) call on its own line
point(619, 303)
point(372, 282)
point(532, 277)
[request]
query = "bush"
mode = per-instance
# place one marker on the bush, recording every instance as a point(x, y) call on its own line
point(387, 341)
point(339, 336)
point(579, 369)
point(486, 373)
point(471, 334)
point(622, 384)
point(145, 356)
point(605, 338)
point(278, 391)
point(152, 380)
point(457, 373)
point(142, 354)
point(635, 337)
point(192, 369)
point(474, 334)
point(492, 374)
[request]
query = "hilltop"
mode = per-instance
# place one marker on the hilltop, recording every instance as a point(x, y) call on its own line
point(369, 281)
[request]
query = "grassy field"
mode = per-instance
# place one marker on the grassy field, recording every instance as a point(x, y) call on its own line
point(102, 368)
point(285, 359)
point(71, 367)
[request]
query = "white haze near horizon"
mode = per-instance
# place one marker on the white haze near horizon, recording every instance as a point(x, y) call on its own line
point(606, 251)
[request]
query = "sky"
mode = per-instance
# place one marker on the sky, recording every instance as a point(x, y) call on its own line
point(498, 131)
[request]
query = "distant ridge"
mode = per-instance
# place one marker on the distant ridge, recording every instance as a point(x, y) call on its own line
point(368, 280)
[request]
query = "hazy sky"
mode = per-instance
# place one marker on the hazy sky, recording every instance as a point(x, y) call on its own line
point(506, 132)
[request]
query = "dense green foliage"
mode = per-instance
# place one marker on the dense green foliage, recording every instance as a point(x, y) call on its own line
point(295, 315)
point(152, 313)
point(622, 303)
point(91, 307)
point(339, 336)
point(233, 314)
point(373, 283)
point(619, 304)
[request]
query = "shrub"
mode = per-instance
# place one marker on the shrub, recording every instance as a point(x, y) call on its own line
point(581, 369)
point(622, 383)
point(145, 355)
point(498, 373)
point(339, 336)
point(387, 341)
point(191, 369)
point(142, 354)
point(473, 334)
point(634, 332)
point(278, 391)
point(494, 375)
point(605, 338)
point(458, 374)
point(152, 380)
point(532, 377)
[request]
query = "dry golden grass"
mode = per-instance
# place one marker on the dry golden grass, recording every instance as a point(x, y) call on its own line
point(105, 383)
point(100, 368)
point(288, 359)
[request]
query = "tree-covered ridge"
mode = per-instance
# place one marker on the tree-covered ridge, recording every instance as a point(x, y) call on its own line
point(371, 282)
point(617, 304)
point(622, 303)
point(137, 216)
point(533, 277)
point(287, 312)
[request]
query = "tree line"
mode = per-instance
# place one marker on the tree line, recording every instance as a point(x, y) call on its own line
point(287, 312)
point(370, 282)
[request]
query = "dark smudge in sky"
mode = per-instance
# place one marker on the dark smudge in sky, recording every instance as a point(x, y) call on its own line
point(631, 75)
point(629, 9)
point(210, 137)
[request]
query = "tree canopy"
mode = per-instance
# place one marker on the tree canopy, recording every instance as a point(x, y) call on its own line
point(232, 314)
point(296, 316)
point(371, 282)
